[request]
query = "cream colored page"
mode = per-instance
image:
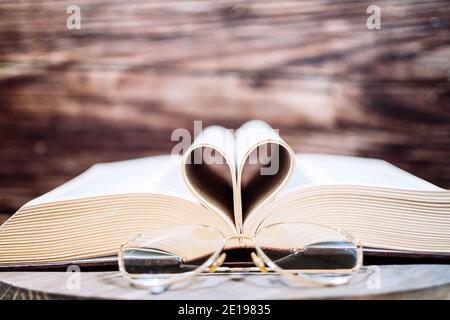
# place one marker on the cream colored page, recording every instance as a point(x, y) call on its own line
point(209, 169)
point(219, 138)
point(321, 169)
point(376, 202)
point(264, 164)
point(249, 135)
point(160, 174)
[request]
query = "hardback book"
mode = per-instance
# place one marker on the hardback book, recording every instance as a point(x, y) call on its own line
point(236, 182)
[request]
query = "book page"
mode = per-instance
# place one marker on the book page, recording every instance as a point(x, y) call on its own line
point(322, 169)
point(264, 164)
point(93, 214)
point(377, 203)
point(254, 163)
point(251, 134)
point(159, 174)
point(209, 169)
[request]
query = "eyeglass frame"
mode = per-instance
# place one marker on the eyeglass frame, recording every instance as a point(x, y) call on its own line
point(260, 259)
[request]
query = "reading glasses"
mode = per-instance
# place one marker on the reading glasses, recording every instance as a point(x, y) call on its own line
point(302, 253)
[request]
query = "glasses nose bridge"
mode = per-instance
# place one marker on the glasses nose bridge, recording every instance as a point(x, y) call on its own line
point(240, 237)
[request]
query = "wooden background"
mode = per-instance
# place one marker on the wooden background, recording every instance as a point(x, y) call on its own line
point(139, 69)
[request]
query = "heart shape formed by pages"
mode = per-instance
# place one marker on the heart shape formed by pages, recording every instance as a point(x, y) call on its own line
point(235, 173)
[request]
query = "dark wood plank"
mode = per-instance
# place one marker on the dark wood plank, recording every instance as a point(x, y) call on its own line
point(138, 70)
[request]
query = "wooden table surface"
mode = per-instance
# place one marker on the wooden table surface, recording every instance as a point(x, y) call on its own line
point(395, 282)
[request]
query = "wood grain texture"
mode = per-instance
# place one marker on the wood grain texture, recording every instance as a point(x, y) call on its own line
point(3, 218)
point(396, 282)
point(139, 69)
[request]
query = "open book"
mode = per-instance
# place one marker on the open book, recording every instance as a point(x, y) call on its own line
point(236, 182)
